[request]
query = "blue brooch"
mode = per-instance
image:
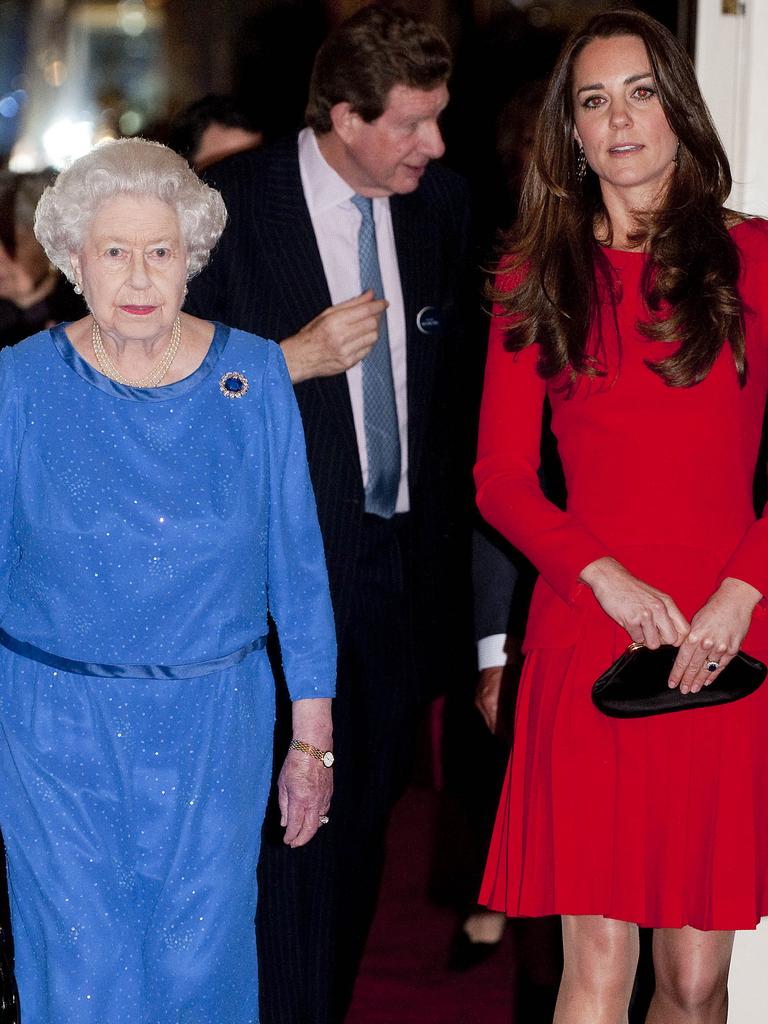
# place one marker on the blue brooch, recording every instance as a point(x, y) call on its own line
point(233, 385)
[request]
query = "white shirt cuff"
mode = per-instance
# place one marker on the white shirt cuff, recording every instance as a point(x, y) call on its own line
point(491, 651)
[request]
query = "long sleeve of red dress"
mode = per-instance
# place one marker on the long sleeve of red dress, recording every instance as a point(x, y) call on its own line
point(509, 494)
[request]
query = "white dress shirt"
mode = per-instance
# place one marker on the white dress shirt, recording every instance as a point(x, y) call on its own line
point(336, 223)
point(492, 651)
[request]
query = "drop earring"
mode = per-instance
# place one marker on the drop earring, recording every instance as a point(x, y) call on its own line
point(581, 164)
point(77, 289)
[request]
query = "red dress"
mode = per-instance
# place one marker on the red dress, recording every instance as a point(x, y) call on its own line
point(661, 821)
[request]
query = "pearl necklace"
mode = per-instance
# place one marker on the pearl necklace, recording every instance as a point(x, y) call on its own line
point(154, 376)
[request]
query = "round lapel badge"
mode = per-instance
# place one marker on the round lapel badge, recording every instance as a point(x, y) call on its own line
point(233, 384)
point(428, 320)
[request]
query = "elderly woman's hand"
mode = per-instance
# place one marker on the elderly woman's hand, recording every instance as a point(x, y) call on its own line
point(716, 633)
point(649, 615)
point(305, 785)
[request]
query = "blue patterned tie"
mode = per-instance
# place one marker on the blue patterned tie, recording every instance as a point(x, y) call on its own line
point(382, 437)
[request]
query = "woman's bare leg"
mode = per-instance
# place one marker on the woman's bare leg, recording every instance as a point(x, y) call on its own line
point(691, 976)
point(600, 961)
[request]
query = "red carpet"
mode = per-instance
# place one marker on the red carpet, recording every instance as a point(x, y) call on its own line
point(403, 978)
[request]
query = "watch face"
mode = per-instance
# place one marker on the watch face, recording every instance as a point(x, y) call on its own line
point(328, 759)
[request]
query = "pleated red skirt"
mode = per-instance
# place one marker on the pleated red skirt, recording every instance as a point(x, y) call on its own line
point(661, 821)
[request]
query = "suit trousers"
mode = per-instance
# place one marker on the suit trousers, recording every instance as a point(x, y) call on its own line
point(317, 903)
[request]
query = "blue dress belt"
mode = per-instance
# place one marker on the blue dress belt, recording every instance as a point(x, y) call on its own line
point(91, 668)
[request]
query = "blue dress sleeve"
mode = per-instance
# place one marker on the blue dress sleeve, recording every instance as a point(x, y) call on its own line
point(10, 440)
point(297, 581)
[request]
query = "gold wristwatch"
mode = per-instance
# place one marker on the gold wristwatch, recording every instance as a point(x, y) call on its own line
point(326, 756)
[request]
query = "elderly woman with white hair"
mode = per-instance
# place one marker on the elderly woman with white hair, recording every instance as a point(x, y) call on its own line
point(155, 507)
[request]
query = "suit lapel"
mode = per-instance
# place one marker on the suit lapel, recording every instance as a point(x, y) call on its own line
point(298, 272)
point(418, 261)
point(296, 258)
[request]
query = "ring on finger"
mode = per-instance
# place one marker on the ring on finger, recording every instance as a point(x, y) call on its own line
point(712, 666)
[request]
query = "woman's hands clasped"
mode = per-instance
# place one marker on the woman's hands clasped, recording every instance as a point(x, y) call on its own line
point(716, 634)
point(651, 617)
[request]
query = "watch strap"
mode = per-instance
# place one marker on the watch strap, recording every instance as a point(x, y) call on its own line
point(326, 756)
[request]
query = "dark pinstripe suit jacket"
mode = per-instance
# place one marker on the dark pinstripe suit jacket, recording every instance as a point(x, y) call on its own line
point(266, 276)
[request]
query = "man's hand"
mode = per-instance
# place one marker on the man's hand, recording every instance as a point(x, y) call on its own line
point(335, 340)
point(487, 694)
point(496, 691)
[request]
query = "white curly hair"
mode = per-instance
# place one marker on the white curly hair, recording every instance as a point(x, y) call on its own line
point(133, 167)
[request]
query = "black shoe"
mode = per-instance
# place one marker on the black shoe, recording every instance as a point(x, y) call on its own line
point(464, 954)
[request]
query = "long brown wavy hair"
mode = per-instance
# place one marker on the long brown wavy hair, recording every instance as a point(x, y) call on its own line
point(690, 280)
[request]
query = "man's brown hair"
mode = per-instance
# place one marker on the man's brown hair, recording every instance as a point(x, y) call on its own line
point(370, 53)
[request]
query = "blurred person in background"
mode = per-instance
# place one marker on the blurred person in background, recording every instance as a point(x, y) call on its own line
point(33, 293)
point(213, 128)
point(155, 508)
point(515, 133)
point(350, 245)
point(633, 300)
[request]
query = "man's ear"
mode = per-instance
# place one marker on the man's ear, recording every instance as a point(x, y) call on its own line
point(344, 120)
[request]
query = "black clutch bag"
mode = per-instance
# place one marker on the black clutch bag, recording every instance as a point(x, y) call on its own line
point(636, 685)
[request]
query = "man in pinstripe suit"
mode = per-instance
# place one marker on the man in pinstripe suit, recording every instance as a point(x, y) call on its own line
point(291, 266)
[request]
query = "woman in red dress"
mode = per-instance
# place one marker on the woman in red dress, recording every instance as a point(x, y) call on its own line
point(632, 300)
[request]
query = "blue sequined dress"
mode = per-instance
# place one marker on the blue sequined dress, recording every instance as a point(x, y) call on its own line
point(146, 533)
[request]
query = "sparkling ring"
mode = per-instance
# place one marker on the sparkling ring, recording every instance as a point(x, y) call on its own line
point(324, 819)
point(713, 666)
